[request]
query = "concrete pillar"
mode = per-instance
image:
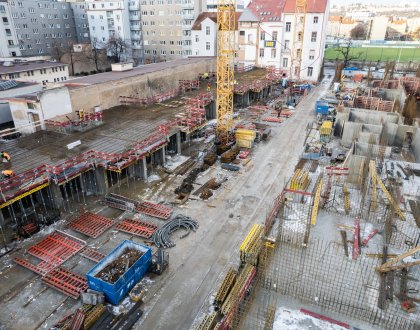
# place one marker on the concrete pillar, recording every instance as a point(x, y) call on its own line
point(143, 168)
point(101, 181)
point(2, 222)
point(178, 143)
point(57, 196)
point(163, 156)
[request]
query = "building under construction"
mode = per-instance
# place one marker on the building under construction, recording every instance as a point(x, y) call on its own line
point(339, 245)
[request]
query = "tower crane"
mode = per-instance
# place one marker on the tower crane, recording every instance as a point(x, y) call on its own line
point(225, 69)
point(298, 37)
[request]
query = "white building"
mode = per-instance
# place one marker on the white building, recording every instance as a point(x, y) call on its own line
point(43, 72)
point(268, 36)
point(204, 34)
point(117, 20)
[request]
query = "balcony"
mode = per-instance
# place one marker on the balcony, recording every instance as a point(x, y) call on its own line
point(135, 27)
point(111, 27)
point(135, 17)
point(188, 16)
point(136, 46)
point(135, 37)
point(134, 7)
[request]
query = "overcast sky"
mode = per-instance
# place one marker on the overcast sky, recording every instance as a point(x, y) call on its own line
point(375, 2)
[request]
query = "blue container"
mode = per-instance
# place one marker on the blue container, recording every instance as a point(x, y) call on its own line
point(115, 292)
point(321, 107)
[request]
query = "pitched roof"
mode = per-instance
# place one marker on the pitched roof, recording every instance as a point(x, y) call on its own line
point(312, 6)
point(213, 17)
point(267, 10)
point(248, 16)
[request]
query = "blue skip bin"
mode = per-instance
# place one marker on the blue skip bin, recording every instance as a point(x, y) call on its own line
point(114, 293)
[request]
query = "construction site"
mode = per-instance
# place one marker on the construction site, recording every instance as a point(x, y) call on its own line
point(201, 194)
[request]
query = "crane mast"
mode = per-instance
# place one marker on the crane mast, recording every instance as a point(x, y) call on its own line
point(225, 69)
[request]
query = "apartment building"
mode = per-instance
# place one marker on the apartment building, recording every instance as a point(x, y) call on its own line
point(276, 34)
point(41, 24)
point(9, 43)
point(42, 72)
point(80, 18)
point(204, 34)
point(119, 20)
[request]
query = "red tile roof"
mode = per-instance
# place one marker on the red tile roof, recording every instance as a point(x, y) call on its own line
point(312, 6)
point(267, 10)
point(213, 16)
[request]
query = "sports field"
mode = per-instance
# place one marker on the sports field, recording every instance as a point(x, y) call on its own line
point(378, 53)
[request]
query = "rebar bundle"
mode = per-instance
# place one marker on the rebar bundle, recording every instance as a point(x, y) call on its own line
point(161, 237)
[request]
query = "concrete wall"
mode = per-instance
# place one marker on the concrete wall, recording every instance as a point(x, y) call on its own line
point(373, 117)
point(107, 94)
point(55, 102)
point(23, 115)
point(416, 143)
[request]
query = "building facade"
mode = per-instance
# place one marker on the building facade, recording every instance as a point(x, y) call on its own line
point(204, 34)
point(42, 72)
point(117, 22)
point(272, 34)
point(42, 24)
point(80, 18)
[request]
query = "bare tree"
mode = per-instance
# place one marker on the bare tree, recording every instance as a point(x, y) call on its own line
point(358, 32)
point(117, 48)
point(345, 52)
point(97, 54)
point(66, 53)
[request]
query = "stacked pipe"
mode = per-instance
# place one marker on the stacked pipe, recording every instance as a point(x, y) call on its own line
point(120, 202)
point(161, 237)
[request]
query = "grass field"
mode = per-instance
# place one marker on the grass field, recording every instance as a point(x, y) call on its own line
point(380, 53)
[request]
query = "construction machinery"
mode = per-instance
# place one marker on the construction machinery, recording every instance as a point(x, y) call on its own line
point(298, 37)
point(225, 70)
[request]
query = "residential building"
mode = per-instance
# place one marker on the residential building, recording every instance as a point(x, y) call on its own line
point(80, 18)
point(339, 26)
point(211, 5)
point(396, 29)
point(117, 20)
point(42, 72)
point(413, 24)
point(271, 34)
point(40, 25)
point(203, 34)
point(9, 42)
point(377, 28)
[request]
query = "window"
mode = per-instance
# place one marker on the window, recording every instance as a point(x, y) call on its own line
point(315, 19)
point(25, 26)
point(241, 33)
point(286, 44)
point(8, 32)
point(310, 71)
point(208, 30)
point(262, 36)
point(273, 53)
point(285, 62)
point(274, 36)
point(312, 54)
point(250, 39)
point(2, 9)
point(102, 28)
point(101, 16)
point(10, 42)
point(300, 35)
point(31, 10)
point(313, 37)
point(5, 21)
point(288, 26)
point(207, 45)
point(261, 52)
point(92, 17)
point(197, 39)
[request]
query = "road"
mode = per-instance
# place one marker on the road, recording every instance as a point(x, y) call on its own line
point(245, 199)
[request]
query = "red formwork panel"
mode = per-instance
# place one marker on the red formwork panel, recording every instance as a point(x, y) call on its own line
point(41, 268)
point(92, 254)
point(56, 248)
point(90, 224)
point(154, 210)
point(137, 227)
point(66, 281)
